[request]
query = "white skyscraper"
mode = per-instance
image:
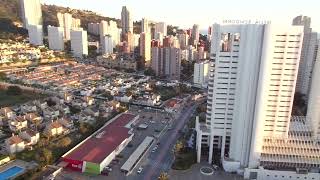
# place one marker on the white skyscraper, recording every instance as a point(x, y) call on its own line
point(145, 47)
point(161, 27)
point(31, 12)
point(313, 113)
point(79, 42)
point(35, 35)
point(145, 26)
point(201, 73)
point(109, 28)
point(108, 45)
point(55, 38)
point(126, 20)
point(68, 23)
point(251, 95)
point(307, 54)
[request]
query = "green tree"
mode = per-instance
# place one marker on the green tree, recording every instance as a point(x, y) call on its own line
point(149, 72)
point(3, 76)
point(14, 91)
point(44, 156)
point(65, 142)
point(178, 147)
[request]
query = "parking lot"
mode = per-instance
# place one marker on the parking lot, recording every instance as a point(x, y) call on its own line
point(156, 121)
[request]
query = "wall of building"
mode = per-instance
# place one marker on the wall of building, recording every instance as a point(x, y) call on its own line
point(264, 174)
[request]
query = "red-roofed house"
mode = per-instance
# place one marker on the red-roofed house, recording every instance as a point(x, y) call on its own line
point(54, 129)
point(14, 144)
point(98, 150)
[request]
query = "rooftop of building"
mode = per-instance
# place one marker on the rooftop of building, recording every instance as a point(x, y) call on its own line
point(101, 144)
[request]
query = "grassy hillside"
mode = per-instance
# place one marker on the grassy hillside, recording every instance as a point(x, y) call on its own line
point(9, 9)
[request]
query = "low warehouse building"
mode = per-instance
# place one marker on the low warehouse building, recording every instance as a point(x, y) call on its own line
point(98, 150)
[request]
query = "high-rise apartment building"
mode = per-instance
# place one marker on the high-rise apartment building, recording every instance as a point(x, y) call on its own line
point(313, 113)
point(79, 43)
point(145, 26)
point(183, 40)
point(68, 23)
point(145, 47)
point(201, 73)
point(166, 62)
point(55, 38)
point(109, 28)
point(161, 27)
point(195, 34)
point(307, 54)
point(35, 34)
point(107, 45)
point(128, 42)
point(94, 28)
point(31, 12)
point(126, 20)
point(250, 98)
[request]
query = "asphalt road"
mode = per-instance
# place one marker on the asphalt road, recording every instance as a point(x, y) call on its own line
point(162, 159)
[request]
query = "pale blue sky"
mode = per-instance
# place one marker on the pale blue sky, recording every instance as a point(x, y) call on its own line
point(184, 13)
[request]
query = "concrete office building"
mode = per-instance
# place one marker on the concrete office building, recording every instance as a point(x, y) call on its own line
point(31, 12)
point(145, 47)
point(201, 73)
point(161, 27)
point(79, 43)
point(35, 34)
point(307, 54)
point(126, 20)
point(166, 62)
point(68, 23)
point(55, 38)
point(250, 100)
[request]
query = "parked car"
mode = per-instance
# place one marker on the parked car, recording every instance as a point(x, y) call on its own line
point(140, 170)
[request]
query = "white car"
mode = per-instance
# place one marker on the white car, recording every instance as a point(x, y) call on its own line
point(140, 170)
point(108, 168)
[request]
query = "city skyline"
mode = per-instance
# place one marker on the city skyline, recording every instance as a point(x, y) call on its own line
point(243, 10)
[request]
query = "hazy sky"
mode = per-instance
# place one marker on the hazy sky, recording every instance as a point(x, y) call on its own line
point(185, 13)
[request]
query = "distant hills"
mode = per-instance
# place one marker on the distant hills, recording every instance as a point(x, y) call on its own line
point(10, 21)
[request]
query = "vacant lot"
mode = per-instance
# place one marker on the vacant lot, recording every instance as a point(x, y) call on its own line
point(25, 96)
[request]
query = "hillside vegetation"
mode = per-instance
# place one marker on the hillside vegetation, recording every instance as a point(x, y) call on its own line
point(10, 18)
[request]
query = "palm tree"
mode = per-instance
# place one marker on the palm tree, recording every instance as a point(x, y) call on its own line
point(163, 176)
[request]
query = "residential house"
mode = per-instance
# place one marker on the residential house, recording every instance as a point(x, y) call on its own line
point(31, 137)
point(28, 107)
point(18, 124)
point(67, 97)
point(54, 129)
point(42, 105)
point(89, 100)
point(33, 118)
point(7, 112)
point(66, 123)
point(14, 144)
